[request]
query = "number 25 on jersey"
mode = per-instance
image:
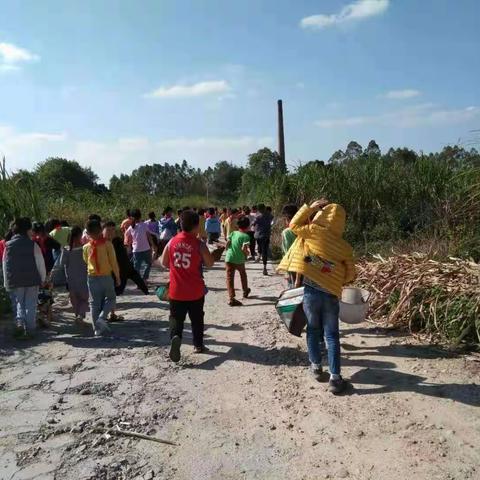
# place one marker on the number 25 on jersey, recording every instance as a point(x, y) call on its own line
point(182, 260)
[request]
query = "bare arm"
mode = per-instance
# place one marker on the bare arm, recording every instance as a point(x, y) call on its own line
point(39, 262)
point(165, 259)
point(207, 257)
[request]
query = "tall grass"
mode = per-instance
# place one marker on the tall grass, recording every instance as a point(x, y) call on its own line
point(429, 201)
point(391, 201)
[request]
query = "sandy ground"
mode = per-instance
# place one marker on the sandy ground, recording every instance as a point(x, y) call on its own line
point(246, 410)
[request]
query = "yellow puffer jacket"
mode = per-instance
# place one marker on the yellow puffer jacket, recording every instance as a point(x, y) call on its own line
point(331, 258)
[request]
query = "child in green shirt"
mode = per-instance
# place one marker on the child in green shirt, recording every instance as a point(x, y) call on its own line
point(235, 258)
point(288, 237)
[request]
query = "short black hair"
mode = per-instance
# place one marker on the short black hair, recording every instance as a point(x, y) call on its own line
point(21, 226)
point(243, 222)
point(179, 212)
point(94, 216)
point(64, 223)
point(75, 233)
point(151, 215)
point(268, 209)
point(51, 223)
point(289, 211)
point(94, 227)
point(234, 211)
point(167, 210)
point(136, 214)
point(38, 227)
point(127, 212)
point(190, 220)
point(211, 211)
point(201, 211)
point(261, 207)
point(110, 223)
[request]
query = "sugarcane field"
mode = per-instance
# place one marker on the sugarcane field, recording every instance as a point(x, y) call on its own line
point(239, 240)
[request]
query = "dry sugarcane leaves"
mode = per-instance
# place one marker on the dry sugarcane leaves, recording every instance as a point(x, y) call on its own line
point(441, 299)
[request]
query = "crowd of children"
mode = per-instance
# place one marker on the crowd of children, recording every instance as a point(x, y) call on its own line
point(97, 262)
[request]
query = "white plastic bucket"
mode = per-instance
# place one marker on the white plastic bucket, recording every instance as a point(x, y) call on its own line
point(354, 305)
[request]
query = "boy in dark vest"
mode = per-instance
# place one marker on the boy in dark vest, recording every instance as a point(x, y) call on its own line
point(184, 255)
point(24, 273)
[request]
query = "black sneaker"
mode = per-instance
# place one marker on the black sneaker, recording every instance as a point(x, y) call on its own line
point(246, 293)
point(175, 349)
point(19, 331)
point(235, 303)
point(265, 271)
point(317, 373)
point(337, 385)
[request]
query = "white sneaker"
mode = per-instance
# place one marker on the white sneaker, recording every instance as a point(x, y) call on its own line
point(101, 328)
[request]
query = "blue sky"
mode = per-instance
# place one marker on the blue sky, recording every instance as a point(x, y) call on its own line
point(117, 84)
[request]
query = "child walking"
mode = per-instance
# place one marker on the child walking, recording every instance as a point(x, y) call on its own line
point(184, 255)
point(288, 237)
point(263, 230)
point(75, 268)
point(213, 226)
point(237, 253)
point(127, 272)
point(24, 272)
point(99, 256)
point(139, 237)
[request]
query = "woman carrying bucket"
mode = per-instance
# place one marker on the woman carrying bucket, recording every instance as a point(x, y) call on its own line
point(325, 260)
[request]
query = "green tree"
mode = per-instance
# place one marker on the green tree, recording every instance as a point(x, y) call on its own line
point(264, 173)
point(373, 150)
point(354, 150)
point(226, 181)
point(60, 174)
point(338, 156)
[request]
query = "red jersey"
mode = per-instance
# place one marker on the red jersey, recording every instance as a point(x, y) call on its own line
point(186, 281)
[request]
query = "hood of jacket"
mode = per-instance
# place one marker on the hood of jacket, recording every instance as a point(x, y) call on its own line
point(333, 218)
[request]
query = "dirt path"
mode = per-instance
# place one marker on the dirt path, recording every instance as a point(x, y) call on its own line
point(247, 410)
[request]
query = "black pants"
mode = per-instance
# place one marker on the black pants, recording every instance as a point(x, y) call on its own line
point(213, 237)
point(263, 246)
point(178, 313)
point(133, 275)
point(252, 243)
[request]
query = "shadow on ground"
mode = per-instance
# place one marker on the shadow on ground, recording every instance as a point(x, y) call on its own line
point(380, 375)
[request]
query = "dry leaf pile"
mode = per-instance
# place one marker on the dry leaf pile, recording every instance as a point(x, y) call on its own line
point(438, 298)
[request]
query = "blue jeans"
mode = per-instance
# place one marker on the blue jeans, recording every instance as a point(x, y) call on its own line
point(102, 297)
point(140, 259)
point(321, 310)
point(25, 306)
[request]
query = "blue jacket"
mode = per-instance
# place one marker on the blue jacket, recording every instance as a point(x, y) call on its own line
point(169, 225)
point(212, 225)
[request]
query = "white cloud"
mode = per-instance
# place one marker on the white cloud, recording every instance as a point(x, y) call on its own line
point(427, 115)
point(9, 137)
point(194, 90)
point(25, 150)
point(402, 94)
point(12, 56)
point(358, 10)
